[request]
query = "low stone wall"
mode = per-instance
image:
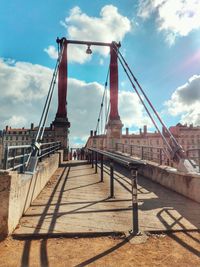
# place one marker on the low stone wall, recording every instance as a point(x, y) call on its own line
point(17, 191)
point(185, 184)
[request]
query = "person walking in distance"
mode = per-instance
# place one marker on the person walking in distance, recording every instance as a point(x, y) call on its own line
point(74, 155)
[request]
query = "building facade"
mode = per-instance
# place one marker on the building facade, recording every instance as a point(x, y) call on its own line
point(150, 145)
point(23, 136)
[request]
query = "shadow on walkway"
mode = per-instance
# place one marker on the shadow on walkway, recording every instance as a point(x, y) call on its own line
point(43, 248)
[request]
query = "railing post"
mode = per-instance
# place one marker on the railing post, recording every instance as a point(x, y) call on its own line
point(6, 158)
point(142, 154)
point(96, 160)
point(13, 160)
point(160, 156)
point(111, 179)
point(199, 158)
point(134, 201)
point(131, 150)
point(101, 168)
point(92, 159)
point(22, 160)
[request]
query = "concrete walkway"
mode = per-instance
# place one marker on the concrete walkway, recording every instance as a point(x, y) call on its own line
point(75, 201)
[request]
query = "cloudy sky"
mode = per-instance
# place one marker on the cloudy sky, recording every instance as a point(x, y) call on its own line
point(160, 40)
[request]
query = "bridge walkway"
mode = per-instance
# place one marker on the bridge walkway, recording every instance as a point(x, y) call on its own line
point(75, 201)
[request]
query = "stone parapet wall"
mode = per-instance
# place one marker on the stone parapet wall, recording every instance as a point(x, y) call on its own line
point(17, 191)
point(185, 184)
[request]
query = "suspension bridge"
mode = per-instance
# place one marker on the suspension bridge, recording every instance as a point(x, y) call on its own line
point(107, 191)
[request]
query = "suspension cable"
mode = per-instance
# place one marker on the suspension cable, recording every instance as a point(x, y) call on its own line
point(41, 127)
point(133, 85)
point(147, 99)
point(45, 111)
point(101, 107)
point(106, 119)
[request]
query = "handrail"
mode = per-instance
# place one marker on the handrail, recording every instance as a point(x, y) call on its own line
point(16, 157)
point(123, 160)
point(133, 166)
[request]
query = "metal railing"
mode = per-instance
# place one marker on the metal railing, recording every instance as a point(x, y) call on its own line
point(48, 148)
point(194, 155)
point(16, 157)
point(155, 154)
point(96, 155)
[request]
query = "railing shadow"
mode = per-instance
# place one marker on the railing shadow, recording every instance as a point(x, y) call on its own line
point(43, 248)
point(104, 253)
point(165, 198)
point(176, 238)
point(162, 198)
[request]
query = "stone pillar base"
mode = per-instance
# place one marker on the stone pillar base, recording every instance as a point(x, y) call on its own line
point(61, 126)
point(114, 134)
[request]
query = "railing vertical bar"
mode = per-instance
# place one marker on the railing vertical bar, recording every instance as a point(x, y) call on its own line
point(134, 201)
point(96, 161)
point(6, 158)
point(111, 179)
point(101, 168)
point(160, 156)
point(22, 160)
point(13, 160)
point(92, 159)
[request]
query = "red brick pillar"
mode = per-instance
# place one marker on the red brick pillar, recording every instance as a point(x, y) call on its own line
point(62, 84)
point(114, 115)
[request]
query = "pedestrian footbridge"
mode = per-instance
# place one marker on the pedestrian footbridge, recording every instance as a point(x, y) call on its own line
point(81, 200)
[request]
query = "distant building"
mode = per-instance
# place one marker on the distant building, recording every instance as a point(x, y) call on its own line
point(23, 136)
point(187, 136)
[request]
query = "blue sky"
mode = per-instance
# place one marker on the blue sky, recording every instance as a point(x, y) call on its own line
point(160, 40)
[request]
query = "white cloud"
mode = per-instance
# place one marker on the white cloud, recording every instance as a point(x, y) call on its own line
point(23, 89)
point(15, 121)
point(109, 26)
point(174, 17)
point(51, 51)
point(22, 81)
point(101, 61)
point(131, 110)
point(185, 101)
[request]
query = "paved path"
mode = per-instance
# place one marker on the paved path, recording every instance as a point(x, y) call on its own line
point(75, 201)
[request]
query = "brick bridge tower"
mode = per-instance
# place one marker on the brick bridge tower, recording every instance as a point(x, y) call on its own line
point(114, 125)
point(61, 123)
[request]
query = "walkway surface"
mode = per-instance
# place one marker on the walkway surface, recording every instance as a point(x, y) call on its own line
point(75, 201)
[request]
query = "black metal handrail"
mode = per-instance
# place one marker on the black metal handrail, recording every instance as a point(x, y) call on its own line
point(132, 164)
point(16, 157)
